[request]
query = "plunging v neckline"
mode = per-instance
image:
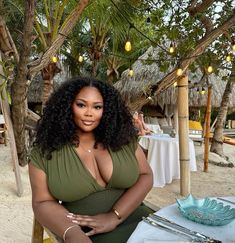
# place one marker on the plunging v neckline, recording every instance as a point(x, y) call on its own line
point(88, 171)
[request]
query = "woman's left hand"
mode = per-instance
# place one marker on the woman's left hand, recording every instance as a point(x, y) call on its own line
point(100, 223)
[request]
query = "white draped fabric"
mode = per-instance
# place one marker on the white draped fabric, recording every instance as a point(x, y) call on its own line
point(2, 121)
point(163, 157)
point(154, 128)
point(145, 233)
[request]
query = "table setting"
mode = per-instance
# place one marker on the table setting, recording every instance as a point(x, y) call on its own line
point(209, 220)
point(163, 157)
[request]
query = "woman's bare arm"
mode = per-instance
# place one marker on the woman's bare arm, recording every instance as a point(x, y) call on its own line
point(48, 211)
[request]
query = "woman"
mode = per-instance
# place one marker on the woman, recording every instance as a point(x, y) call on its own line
point(141, 118)
point(138, 122)
point(88, 174)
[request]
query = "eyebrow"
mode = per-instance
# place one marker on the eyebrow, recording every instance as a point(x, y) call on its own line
point(96, 102)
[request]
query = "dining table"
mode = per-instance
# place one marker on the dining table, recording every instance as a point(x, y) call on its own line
point(163, 157)
point(146, 233)
point(156, 129)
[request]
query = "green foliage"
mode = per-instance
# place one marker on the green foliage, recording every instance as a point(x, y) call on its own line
point(231, 116)
point(7, 74)
point(105, 26)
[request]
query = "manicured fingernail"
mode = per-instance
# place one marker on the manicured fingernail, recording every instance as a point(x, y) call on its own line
point(69, 216)
point(75, 221)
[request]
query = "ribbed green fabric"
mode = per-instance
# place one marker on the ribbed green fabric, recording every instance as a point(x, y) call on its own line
point(70, 181)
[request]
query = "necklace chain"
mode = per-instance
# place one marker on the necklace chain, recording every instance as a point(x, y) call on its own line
point(86, 150)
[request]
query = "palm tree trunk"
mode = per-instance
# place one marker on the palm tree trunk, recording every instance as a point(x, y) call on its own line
point(48, 74)
point(20, 87)
point(217, 140)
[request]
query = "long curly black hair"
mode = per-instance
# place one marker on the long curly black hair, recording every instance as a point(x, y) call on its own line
point(57, 128)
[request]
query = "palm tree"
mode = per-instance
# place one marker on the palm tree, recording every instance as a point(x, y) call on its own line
point(217, 140)
point(26, 70)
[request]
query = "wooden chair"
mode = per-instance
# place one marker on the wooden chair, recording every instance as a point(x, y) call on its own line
point(37, 234)
point(3, 129)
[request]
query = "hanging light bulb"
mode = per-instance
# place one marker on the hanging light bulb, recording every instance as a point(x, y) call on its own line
point(54, 59)
point(80, 58)
point(233, 46)
point(150, 98)
point(228, 58)
point(175, 84)
point(203, 91)
point(210, 69)
point(128, 46)
point(131, 72)
point(171, 49)
point(179, 71)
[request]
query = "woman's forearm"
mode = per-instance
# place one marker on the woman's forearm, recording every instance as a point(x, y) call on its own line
point(52, 215)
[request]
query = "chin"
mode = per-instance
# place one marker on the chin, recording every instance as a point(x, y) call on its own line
point(87, 129)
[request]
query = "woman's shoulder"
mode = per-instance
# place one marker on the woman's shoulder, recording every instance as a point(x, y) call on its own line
point(131, 145)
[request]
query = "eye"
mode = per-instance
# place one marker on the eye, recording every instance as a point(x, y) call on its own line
point(80, 105)
point(98, 107)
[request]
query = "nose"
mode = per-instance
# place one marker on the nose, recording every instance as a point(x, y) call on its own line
point(88, 112)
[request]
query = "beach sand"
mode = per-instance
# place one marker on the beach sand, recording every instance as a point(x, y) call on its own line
point(16, 213)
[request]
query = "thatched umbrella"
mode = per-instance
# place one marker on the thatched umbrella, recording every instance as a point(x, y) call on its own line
point(35, 90)
point(136, 89)
point(36, 87)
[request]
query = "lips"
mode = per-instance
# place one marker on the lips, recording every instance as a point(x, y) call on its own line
point(88, 123)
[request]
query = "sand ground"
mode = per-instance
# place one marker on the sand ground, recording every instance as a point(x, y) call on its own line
point(16, 213)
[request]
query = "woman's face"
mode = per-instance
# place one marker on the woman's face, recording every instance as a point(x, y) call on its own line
point(88, 109)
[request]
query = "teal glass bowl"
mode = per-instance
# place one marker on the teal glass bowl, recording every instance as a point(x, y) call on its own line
point(206, 211)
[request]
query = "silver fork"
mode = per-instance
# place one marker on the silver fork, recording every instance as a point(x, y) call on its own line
point(199, 236)
point(171, 230)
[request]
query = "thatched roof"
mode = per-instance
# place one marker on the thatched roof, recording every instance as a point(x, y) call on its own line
point(35, 90)
point(145, 75)
point(36, 86)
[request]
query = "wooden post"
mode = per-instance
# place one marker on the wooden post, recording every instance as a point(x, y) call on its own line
point(7, 118)
point(175, 120)
point(207, 129)
point(183, 136)
point(37, 233)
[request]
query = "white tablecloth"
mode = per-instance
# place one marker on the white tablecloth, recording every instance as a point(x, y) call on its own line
point(154, 128)
point(163, 157)
point(147, 233)
point(2, 121)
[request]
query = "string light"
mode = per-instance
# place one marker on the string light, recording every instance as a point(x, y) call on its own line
point(175, 84)
point(150, 98)
point(171, 49)
point(203, 91)
point(80, 58)
point(179, 71)
point(210, 69)
point(233, 46)
point(228, 58)
point(128, 46)
point(54, 59)
point(131, 72)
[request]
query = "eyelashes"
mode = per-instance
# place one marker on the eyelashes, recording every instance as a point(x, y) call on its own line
point(81, 105)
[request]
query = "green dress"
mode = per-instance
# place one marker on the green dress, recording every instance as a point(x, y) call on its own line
point(70, 182)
